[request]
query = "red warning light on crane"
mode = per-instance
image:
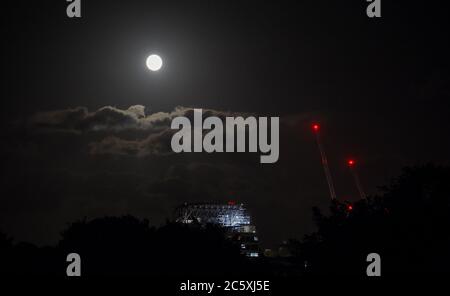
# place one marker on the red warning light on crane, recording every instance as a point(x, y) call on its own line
point(315, 127)
point(351, 162)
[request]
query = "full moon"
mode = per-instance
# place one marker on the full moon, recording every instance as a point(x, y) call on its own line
point(154, 62)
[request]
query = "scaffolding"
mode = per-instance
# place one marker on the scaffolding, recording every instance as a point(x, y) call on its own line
point(225, 215)
point(233, 217)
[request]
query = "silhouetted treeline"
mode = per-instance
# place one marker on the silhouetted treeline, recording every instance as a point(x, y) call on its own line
point(114, 246)
point(407, 224)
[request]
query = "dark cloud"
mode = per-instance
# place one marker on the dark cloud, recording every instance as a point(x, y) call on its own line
point(112, 119)
point(127, 132)
point(65, 120)
point(154, 144)
point(104, 119)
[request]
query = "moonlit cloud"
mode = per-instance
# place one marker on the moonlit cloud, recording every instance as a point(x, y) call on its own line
point(114, 119)
point(146, 134)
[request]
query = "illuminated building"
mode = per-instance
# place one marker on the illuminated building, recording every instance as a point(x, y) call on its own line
point(233, 217)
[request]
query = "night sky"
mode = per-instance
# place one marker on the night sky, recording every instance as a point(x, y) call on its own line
point(72, 147)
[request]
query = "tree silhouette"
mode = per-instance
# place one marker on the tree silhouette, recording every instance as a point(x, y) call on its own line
point(5, 241)
point(407, 225)
point(128, 246)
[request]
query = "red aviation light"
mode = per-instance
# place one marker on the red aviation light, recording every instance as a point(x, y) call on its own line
point(316, 127)
point(351, 162)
